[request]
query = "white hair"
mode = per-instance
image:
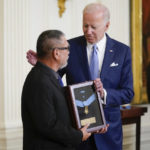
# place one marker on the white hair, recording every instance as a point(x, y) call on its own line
point(99, 8)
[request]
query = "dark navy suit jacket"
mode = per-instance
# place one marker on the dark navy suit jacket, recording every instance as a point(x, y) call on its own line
point(116, 76)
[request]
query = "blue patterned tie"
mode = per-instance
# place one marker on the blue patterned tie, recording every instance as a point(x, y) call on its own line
point(94, 64)
point(60, 81)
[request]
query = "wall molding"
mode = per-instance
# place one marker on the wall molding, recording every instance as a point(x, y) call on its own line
point(11, 139)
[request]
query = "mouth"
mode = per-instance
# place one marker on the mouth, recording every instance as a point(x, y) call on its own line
point(89, 37)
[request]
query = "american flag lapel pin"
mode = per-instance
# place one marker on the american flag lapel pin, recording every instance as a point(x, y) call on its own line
point(110, 50)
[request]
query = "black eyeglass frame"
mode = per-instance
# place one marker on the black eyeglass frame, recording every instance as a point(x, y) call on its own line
point(62, 48)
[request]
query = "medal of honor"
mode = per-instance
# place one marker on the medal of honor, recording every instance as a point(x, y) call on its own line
point(86, 110)
point(86, 103)
point(85, 106)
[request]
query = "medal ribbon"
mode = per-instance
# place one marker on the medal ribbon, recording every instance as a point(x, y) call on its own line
point(87, 102)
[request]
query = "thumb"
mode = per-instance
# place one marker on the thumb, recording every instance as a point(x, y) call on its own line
point(86, 126)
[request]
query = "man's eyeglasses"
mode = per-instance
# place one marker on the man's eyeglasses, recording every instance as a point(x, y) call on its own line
point(62, 48)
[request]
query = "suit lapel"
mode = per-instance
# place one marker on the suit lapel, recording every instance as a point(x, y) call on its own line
point(108, 57)
point(82, 52)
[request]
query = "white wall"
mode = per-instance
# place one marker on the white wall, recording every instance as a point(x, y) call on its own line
point(44, 15)
point(21, 22)
point(120, 19)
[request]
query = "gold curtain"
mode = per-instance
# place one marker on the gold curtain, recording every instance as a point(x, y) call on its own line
point(136, 47)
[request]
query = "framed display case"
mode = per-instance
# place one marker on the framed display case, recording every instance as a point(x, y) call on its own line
point(85, 106)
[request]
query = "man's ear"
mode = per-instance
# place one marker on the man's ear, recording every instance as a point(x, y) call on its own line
point(107, 25)
point(55, 54)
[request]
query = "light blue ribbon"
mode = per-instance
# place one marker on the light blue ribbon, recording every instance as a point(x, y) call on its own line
point(87, 102)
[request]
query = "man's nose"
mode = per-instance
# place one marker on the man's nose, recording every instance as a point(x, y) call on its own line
point(89, 30)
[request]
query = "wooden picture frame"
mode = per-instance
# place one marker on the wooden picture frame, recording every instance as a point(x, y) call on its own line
point(85, 106)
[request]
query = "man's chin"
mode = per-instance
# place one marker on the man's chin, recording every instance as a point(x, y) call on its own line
point(63, 66)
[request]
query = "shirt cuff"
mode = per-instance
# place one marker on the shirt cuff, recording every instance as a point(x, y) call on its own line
point(105, 95)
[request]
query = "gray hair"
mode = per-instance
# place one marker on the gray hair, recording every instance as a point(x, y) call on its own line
point(47, 41)
point(98, 7)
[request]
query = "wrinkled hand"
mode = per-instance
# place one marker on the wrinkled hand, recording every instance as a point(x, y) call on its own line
point(31, 57)
point(99, 87)
point(86, 135)
point(103, 130)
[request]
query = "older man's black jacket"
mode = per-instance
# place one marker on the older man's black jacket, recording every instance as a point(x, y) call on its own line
point(45, 114)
